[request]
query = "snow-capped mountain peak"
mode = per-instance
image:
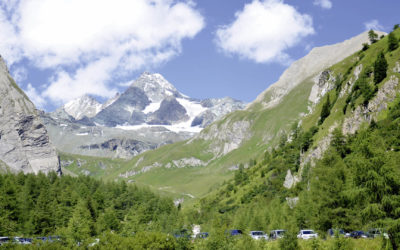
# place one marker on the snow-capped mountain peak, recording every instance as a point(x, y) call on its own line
point(156, 87)
point(83, 106)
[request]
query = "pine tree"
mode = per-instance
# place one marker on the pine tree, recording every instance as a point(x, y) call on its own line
point(80, 225)
point(393, 42)
point(380, 68)
point(373, 37)
point(326, 110)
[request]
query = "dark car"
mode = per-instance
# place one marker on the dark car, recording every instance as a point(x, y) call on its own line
point(23, 241)
point(184, 233)
point(235, 232)
point(4, 240)
point(358, 234)
point(202, 235)
point(333, 232)
point(49, 238)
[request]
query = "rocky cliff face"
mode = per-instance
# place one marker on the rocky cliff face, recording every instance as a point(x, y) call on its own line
point(24, 143)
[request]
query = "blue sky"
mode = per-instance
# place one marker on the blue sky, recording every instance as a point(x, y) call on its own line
point(58, 50)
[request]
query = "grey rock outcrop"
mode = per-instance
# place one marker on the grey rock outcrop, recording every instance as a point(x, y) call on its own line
point(362, 114)
point(125, 110)
point(123, 148)
point(227, 136)
point(323, 84)
point(396, 68)
point(170, 111)
point(290, 180)
point(24, 143)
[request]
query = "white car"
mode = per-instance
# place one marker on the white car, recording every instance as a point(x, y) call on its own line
point(277, 234)
point(307, 234)
point(257, 235)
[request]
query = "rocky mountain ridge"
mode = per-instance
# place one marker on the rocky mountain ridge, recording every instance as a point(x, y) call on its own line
point(149, 104)
point(24, 142)
point(314, 62)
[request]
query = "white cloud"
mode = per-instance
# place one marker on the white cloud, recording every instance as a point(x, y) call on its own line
point(19, 74)
point(264, 30)
point(373, 24)
point(88, 35)
point(325, 4)
point(34, 96)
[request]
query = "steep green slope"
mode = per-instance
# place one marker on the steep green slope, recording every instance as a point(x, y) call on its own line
point(193, 168)
point(354, 185)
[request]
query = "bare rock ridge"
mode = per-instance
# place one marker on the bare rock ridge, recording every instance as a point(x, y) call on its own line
point(314, 62)
point(24, 143)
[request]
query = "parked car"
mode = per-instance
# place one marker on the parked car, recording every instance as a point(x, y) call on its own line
point(4, 240)
point(377, 232)
point(202, 235)
point(23, 241)
point(277, 234)
point(257, 235)
point(235, 232)
point(184, 233)
point(307, 234)
point(358, 234)
point(49, 238)
point(333, 232)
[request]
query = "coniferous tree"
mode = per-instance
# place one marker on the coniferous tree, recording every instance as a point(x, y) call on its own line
point(393, 42)
point(325, 112)
point(380, 68)
point(373, 37)
point(80, 225)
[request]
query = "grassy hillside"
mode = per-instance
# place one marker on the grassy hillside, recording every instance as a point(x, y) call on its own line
point(356, 183)
point(267, 127)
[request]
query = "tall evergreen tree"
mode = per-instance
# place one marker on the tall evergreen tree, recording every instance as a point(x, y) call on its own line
point(80, 225)
point(373, 37)
point(393, 42)
point(326, 110)
point(380, 68)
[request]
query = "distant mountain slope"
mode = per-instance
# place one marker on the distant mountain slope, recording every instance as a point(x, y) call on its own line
point(149, 113)
point(195, 166)
point(24, 142)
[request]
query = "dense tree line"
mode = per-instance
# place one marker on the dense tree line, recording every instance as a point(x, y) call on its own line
point(79, 208)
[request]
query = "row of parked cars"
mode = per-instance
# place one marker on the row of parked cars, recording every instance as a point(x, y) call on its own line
point(276, 234)
point(27, 241)
point(357, 234)
point(303, 234)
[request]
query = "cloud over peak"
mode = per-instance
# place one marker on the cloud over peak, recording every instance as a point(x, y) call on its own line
point(373, 25)
point(263, 31)
point(94, 36)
